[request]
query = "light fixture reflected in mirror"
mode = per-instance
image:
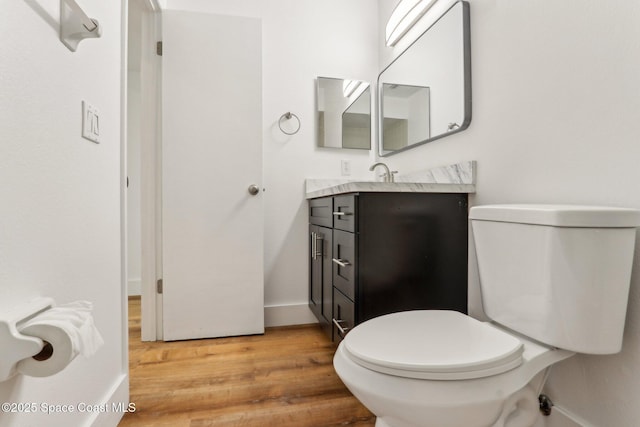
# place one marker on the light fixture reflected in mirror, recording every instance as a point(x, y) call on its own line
point(349, 86)
point(403, 17)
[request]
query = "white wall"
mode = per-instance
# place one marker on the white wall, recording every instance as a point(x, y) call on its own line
point(302, 39)
point(556, 109)
point(60, 223)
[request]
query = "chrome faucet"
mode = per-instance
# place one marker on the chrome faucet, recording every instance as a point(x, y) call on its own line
point(387, 175)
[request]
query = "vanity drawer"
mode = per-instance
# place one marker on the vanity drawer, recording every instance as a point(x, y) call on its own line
point(343, 315)
point(321, 211)
point(344, 262)
point(344, 213)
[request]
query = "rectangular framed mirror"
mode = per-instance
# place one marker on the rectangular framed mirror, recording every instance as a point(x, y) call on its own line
point(425, 93)
point(343, 110)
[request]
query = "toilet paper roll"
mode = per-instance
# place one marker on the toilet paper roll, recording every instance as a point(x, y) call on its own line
point(69, 329)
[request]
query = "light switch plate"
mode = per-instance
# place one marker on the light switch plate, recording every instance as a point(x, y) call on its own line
point(90, 122)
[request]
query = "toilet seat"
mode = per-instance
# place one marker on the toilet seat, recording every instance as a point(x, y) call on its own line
point(433, 345)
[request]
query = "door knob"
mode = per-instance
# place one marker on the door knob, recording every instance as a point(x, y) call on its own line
point(253, 189)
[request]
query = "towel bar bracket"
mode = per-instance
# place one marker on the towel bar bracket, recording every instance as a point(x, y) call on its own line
point(75, 25)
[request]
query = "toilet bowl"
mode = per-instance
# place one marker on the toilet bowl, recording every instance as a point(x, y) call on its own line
point(460, 372)
point(554, 281)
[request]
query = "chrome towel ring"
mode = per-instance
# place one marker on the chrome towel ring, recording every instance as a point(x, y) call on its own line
point(288, 115)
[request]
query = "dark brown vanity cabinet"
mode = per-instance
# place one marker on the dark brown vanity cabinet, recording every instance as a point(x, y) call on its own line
point(379, 253)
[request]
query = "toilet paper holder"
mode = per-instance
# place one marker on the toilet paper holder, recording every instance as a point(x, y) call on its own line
point(16, 346)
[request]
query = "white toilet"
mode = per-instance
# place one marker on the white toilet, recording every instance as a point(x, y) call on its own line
point(554, 281)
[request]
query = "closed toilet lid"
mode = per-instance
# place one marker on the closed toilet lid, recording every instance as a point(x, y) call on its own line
point(433, 344)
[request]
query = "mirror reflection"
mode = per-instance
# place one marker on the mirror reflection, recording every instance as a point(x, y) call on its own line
point(406, 115)
point(424, 94)
point(343, 113)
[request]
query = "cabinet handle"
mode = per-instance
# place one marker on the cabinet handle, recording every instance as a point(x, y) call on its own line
point(342, 213)
point(319, 239)
point(342, 330)
point(315, 253)
point(341, 262)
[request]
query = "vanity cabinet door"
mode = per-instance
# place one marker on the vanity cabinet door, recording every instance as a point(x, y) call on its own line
point(320, 280)
point(315, 279)
point(325, 245)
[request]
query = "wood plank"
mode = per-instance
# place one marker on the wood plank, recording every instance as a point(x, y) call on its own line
point(283, 378)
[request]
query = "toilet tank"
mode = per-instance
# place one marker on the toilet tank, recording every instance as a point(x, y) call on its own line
point(559, 274)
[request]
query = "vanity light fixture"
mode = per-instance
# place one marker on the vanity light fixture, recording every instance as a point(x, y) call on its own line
point(403, 17)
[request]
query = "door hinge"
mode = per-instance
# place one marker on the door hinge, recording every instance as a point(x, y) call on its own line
point(159, 48)
point(159, 287)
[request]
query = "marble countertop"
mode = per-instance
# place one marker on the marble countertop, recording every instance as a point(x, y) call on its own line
point(386, 187)
point(458, 178)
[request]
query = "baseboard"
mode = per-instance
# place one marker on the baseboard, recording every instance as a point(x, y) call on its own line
point(115, 404)
point(285, 315)
point(134, 286)
point(561, 417)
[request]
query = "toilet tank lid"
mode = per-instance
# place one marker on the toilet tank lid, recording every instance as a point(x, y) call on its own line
point(559, 215)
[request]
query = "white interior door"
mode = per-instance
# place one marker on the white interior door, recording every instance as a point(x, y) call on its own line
point(212, 227)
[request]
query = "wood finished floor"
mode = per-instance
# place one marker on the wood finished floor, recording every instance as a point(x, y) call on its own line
point(283, 378)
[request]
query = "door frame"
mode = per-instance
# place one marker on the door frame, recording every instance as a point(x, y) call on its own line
point(151, 175)
point(150, 171)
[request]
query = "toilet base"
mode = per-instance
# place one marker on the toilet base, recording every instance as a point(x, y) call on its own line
point(381, 423)
point(519, 410)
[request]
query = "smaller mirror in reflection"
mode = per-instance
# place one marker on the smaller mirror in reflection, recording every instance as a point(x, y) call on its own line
point(406, 115)
point(343, 113)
